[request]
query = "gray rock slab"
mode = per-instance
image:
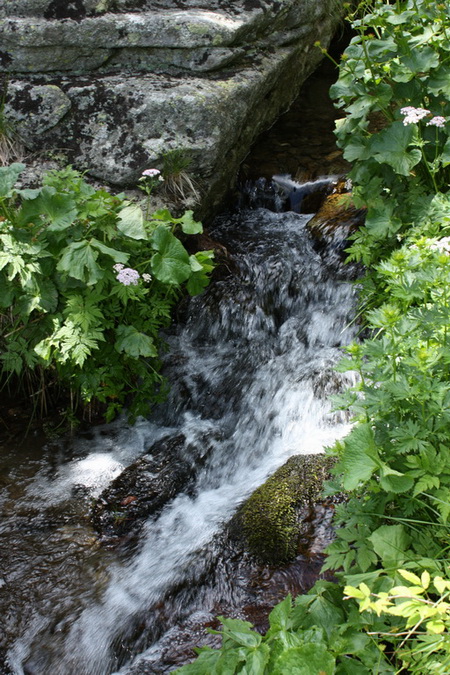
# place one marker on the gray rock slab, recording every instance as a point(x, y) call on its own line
point(116, 92)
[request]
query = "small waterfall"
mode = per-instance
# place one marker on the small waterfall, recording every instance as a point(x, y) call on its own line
point(250, 369)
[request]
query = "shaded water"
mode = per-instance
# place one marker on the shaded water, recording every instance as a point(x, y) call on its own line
point(250, 371)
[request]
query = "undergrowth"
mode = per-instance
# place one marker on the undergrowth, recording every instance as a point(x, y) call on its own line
point(87, 281)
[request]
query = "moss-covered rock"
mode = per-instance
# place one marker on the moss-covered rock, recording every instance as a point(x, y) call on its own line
point(268, 520)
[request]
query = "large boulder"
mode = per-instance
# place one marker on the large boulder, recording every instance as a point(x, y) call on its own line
point(116, 84)
point(277, 517)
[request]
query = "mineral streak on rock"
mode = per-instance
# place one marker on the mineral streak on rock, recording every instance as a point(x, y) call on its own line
point(117, 83)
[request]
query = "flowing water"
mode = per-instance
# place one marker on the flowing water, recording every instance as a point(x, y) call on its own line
point(251, 369)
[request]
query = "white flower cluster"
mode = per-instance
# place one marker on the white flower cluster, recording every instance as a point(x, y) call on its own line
point(128, 276)
point(437, 121)
point(413, 115)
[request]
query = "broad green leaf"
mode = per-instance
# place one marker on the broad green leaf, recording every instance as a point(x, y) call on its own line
point(188, 224)
point(256, 661)
point(59, 208)
point(279, 617)
point(171, 263)
point(421, 60)
point(359, 459)
point(134, 343)
point(78, 260)
point(117, 256)
point(390, 543)
point(205, 664)
point(131, 222)
point(308, 659)
point(446, 153)
point(390, 146)
point(8, 178)
point(394, 481)
point(240, 632)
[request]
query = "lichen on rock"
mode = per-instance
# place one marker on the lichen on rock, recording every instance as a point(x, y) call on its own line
point(268, 520)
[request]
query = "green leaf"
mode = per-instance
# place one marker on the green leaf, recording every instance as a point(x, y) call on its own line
point(171, 264)
point(205, 664)
point(134, 343)
point(188, 224)
point(240, 632)
point(256, 661)
point(279, 617)
point(78, 260)
point(131, 222)
point(117, 256)
point(394, 481)
point(390, 146)
point(390, 543)
point(309, 659)
point(8, 178)
point(446, 153)
point(59, 208)
point(360, 457)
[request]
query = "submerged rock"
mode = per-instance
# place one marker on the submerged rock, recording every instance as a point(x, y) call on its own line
point(276, 517)
point(142, 489)
point(116, 84)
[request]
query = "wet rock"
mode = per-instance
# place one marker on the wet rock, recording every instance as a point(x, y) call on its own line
point(136, 79)
point(280, 514)
point(337, 211)
point(142, 489)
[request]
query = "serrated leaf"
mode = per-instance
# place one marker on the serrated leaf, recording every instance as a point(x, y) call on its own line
point(78, 260)
point(390, 146)
point(280, 615)
point(58, 208)
point(131, 222)
point(359, 459)
point(308, 659)
point(240, 632)
point(134, 343)
point(117, 256)
point(394, 481)
point(8, 178)
point(390, 543)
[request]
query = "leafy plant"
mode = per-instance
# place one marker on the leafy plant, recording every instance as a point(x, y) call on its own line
point(307, 637)
point(87, 282)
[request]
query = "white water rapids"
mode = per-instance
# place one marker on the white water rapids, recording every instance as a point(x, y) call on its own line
point(251, 370)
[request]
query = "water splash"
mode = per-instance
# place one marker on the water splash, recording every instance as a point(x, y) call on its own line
point(251, 370)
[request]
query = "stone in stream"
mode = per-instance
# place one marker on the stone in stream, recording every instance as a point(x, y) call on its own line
point(114, 85)
point(278, 515)
point(143, 488)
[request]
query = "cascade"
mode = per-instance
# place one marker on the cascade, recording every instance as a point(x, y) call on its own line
point(250, 368)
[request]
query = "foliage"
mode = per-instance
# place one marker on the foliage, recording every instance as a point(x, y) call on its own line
point(424, 644)
point(87, 282)
point(306, 637)
point(399, 58)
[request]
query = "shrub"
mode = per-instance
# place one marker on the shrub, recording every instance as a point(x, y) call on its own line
point(87, 282)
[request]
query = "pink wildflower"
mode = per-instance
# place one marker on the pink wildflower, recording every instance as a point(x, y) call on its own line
point(128, 276)
point(151, 173)
point(413, 115)
point(437, 121)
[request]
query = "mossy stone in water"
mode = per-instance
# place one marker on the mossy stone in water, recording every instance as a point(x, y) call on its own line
point(268, 520)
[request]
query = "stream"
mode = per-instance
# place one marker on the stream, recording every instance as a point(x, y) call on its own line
point(250, 365)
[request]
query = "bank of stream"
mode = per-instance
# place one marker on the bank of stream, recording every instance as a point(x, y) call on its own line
point(250, 364)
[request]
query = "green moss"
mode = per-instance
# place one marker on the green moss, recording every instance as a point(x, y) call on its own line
point(268, 519)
